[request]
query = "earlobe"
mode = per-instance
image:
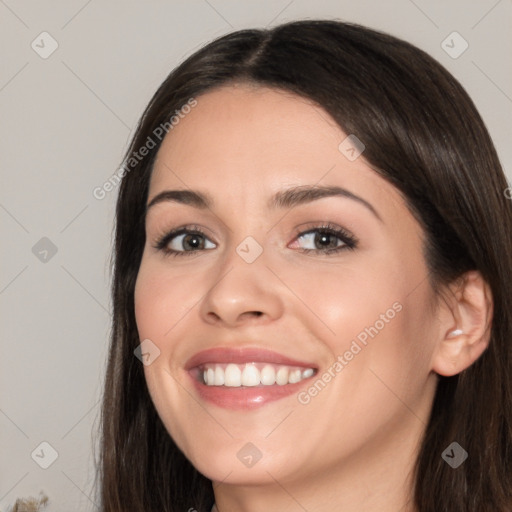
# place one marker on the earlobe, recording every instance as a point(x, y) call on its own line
point(466, 325)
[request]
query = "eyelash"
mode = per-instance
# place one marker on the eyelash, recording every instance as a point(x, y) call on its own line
point(350, 242)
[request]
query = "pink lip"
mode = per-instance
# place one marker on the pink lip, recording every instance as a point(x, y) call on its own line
point(242, 355)
point(243, 398)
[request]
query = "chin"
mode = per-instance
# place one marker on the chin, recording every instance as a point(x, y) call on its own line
point(239, 463)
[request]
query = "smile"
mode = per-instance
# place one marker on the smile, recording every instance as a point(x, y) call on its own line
point(252, 374)
point(246, 378)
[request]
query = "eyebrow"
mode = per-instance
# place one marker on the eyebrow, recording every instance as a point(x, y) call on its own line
point(288, 198)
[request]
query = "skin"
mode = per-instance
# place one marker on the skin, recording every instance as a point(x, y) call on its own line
point(353, 445)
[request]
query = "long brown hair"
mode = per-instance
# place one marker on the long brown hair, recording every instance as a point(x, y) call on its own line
point(424, 135)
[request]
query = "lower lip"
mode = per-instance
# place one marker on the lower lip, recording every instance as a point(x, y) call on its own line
point(245, 398)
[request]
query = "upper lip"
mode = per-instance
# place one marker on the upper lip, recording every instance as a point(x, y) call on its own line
point(242, 355)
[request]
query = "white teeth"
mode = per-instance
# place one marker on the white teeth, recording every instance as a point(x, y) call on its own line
point(219, 376)
point(253, 374)
point(232, 376)
point(282, 376)
point(294, 376)
point(268, 375)
point(250, 375)
point(308, 373)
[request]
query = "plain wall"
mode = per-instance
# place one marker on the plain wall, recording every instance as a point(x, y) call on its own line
point(65, 124)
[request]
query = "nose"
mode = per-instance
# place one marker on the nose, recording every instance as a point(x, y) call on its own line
point(242, 293)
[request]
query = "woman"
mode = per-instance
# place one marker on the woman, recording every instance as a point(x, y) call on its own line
point(312, 258)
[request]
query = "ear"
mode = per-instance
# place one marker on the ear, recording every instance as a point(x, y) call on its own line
point(468, 311)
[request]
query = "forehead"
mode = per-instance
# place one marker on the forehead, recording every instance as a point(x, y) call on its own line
point(259, 139)
point(243, 118)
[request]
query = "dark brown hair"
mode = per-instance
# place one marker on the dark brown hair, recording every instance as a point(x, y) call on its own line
point(424, 135)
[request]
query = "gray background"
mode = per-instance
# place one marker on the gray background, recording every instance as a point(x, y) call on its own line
point(66, 121)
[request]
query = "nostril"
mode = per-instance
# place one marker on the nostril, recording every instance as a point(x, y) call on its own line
point(250, 314)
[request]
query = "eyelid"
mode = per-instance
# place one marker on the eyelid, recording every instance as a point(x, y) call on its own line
point(203, 231)
point(349, 241)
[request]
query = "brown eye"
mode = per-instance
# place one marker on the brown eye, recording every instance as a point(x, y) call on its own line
point(190, 242)
point(183, 241)
point(326, 239)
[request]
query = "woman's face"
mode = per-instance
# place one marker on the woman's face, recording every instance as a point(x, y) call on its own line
point(358, 316)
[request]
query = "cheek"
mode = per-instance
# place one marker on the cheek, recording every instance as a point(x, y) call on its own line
point(161, 299)
point(396, 358)
point(149, 306)
point(344, 300)
point(377, 314)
